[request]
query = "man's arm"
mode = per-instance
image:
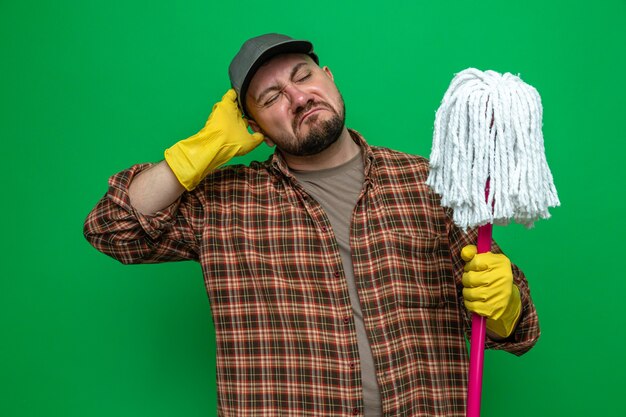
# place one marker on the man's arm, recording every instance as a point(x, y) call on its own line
point(154, 189)
point(115, 228)
point(224, 136)
point(146, 216)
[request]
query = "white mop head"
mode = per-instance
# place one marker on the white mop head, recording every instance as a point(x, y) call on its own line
point(467, 151)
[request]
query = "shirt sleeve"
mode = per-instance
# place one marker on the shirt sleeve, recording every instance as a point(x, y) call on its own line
point(527, 331)
point(116, 229)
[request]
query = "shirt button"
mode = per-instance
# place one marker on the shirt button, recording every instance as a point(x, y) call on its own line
point(337, 274)
point(351, 365)
point(324, 229)
point(346, 320)
point(355, 411)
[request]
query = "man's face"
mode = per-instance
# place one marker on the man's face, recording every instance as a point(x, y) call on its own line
point(296, 105)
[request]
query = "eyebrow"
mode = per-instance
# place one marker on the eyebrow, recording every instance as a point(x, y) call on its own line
point(294, 70)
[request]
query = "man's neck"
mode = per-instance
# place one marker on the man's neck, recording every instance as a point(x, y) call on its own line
point(340, 152)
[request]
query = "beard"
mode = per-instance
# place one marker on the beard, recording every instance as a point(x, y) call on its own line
point(321, 134)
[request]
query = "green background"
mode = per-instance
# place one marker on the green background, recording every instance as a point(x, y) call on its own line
point(91, 87)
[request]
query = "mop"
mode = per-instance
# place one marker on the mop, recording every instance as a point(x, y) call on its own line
point(488, 164)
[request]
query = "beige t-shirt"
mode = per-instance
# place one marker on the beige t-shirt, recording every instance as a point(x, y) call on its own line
point(337, 190)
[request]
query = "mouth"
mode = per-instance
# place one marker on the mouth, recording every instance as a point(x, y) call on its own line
point(310, 112)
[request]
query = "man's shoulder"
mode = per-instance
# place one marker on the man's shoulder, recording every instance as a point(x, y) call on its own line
point(384, 155)
point(399, 162)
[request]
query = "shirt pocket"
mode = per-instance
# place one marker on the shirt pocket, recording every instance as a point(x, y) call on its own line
point(415, 269)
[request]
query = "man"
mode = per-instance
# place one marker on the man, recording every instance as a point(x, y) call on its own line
point(337, 282)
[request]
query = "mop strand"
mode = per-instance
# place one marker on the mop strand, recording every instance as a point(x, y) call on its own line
point(465, 147)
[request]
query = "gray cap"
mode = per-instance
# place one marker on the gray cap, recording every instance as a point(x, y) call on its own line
point(254, 52)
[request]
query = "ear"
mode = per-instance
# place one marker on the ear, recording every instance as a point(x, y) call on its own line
point(328, 72)
point(253, 125)
point(256, 128)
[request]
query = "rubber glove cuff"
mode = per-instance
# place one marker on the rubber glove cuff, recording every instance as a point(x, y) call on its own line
point(193, 158)
point(506, 324)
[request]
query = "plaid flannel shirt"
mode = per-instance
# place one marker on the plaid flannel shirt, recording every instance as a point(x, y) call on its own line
point(285, 337)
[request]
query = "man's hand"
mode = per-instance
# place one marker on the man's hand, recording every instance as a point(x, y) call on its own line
point(224, 136)
point(489, 290)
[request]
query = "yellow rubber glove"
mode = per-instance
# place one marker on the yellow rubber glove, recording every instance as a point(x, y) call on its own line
point(224, 136)
point(489, 290)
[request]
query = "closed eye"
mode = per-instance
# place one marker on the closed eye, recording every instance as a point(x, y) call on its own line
point(303, 78)
point(272, 99)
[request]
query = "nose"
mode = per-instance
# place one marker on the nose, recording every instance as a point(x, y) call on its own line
point(298, 98)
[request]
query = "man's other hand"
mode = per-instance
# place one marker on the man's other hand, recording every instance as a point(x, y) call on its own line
point(489, 290)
